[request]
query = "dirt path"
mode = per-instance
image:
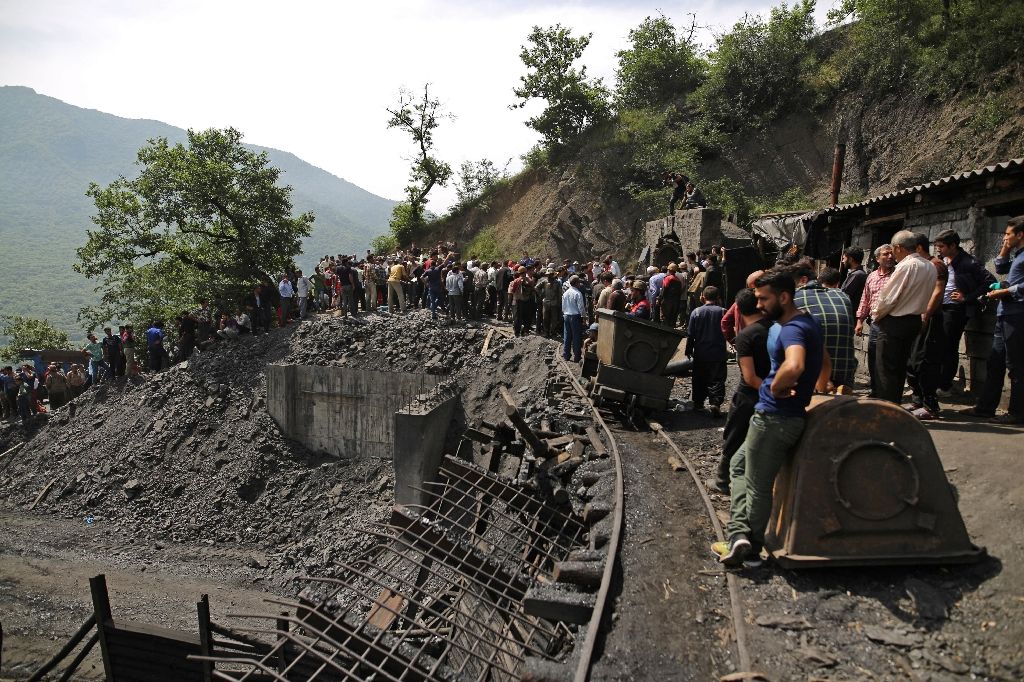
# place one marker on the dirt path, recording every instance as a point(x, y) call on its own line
point(672, 612)
point(45, 566)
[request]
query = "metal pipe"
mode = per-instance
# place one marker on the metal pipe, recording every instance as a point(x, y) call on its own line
point(837, 171)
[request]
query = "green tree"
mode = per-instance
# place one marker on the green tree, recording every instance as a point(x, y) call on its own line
point(384, 244)
point(475, 178)
point(204, 219)
point(661, 65)
point(758, 69)
point(937, 45)
point(28, 332)
point(574, 102)
point(419, 117)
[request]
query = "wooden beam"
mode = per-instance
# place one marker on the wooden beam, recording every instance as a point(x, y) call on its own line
point(512, 412)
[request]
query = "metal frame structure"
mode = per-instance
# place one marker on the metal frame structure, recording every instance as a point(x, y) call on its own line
point(439, 597)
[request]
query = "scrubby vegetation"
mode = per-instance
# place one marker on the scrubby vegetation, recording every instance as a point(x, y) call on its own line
point(676, 105)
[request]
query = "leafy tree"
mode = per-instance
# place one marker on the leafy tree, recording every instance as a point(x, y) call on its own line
point(203, 219)
point(419, 117)
point(28, 332)
point(574, 102)
point(936, 45)
point(757, 69)
point(475, 178)
point(660, 66)
point(385, 243)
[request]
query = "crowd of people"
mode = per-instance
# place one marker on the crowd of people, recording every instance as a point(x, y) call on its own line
point(795, 338)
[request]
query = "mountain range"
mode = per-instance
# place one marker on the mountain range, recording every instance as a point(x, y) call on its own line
point(49, 153)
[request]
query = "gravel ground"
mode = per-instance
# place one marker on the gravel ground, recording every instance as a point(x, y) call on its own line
point(927, 623)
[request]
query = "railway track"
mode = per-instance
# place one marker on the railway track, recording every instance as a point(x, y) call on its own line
point(587, 650)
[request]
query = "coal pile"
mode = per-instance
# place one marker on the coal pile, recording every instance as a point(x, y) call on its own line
point(191, 455)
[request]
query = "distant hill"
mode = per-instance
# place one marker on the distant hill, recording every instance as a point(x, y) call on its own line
point(49, 153)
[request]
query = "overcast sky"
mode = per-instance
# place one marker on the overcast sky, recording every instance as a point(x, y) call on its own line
point(315, 78)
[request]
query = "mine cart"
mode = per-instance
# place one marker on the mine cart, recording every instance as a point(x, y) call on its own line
point(632, 357)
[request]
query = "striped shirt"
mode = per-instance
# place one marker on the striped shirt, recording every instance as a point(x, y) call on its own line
point(872, 286)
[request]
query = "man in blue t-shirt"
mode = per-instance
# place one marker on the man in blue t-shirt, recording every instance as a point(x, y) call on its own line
point(799, 362)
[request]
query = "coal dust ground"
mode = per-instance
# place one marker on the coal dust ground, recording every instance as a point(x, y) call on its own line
point(928, 624)
point(239, 511)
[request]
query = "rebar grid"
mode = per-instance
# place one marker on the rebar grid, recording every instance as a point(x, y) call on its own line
point(438, 598)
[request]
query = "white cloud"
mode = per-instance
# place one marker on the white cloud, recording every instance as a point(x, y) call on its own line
point(315, 78)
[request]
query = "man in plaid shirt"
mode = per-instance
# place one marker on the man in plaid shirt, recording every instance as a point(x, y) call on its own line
point(833, 311)
point(872, 287)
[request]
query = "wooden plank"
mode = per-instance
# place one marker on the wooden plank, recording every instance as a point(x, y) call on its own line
point(595, 442)
point(42, 493)
point(512, 412)
point(385, 609)
point(583, 573)
point(205, 636)
point(101, 609)
point(560, 440)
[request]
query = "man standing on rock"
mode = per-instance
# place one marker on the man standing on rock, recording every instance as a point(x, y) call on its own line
point(798, 362)
point(898, 311)
point(455, 284)
point(573, 306)
point(284, 289)
point(396, 295)
point(522, 291)
point(302, 286)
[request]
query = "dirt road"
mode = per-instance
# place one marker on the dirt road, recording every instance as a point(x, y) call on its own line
point(45, 566)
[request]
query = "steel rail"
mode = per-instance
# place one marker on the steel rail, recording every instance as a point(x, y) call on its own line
point(601, 603)
point(735, 598)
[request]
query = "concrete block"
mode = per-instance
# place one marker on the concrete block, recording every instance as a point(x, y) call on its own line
point(418, 442)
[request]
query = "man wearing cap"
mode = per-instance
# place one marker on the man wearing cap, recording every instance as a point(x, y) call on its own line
point(671, 296)
point(522, 292)
point(638, 306)
point(550, 289)
point(572, 308)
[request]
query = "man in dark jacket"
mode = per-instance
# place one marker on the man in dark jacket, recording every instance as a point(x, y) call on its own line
point(853, 285)
point(968, 281)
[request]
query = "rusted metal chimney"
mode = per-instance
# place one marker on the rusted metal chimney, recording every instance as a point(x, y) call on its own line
point(837, 171)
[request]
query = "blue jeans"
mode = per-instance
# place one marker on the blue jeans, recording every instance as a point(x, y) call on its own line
point(572, 336)
point(752, 470)
point(435, 298)
point(1007, 357)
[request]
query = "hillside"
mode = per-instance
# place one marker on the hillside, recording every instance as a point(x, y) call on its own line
point(891, 143)
point(49, 153)
point(914, 91)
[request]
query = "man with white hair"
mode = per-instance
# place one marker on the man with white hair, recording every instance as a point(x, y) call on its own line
point(897, 312)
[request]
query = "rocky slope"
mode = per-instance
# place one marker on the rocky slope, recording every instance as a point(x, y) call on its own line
point(891, 142)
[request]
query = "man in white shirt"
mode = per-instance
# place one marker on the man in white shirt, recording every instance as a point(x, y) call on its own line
point(897, 312)
point(454, 283)
point(284, 288)
point(302, 292)
point(573, 306)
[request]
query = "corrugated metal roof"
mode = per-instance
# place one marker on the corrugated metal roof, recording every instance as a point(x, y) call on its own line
point(941, 182)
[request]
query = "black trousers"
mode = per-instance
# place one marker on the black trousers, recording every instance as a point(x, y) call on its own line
point(670, 311)
point(954, 319)
point(896, 336)
point(526, 311)
point(708, 381)
point(925, 361)
point(736, 425)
